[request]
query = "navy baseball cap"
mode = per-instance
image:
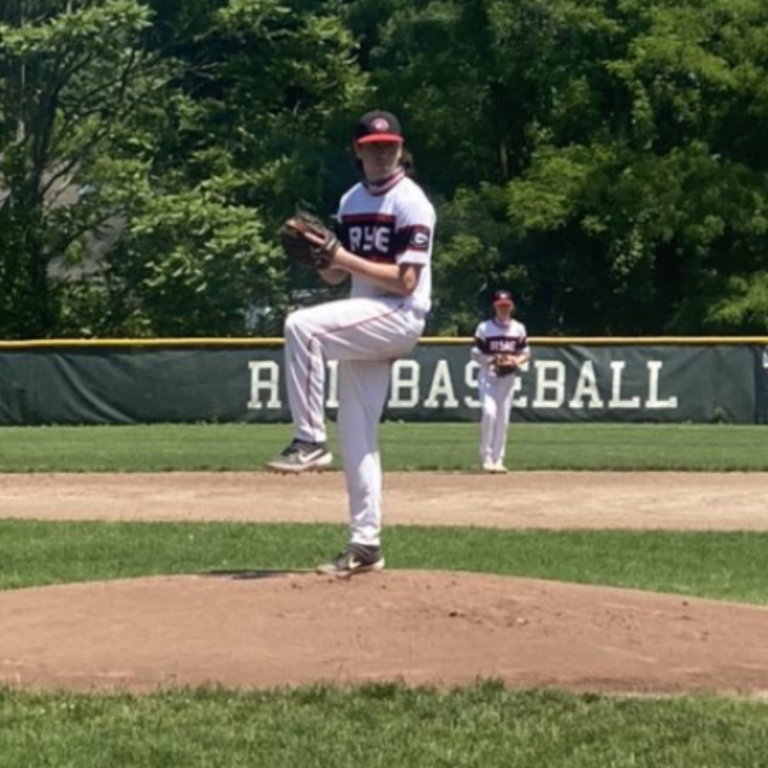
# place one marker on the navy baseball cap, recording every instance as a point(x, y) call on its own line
point(503, 297)
point(378, 126)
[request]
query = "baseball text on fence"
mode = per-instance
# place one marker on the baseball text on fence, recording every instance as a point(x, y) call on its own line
point(544, 384)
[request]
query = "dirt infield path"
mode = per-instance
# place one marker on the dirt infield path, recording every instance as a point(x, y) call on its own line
point(672, 500)
point(422, 627)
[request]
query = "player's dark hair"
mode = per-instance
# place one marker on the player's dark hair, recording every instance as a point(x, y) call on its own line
point(407, 162)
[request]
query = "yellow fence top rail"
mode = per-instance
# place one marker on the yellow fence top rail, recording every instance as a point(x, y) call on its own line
point(550, 341)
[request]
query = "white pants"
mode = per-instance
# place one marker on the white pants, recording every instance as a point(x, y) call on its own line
point(365, 336)
point(496, 395)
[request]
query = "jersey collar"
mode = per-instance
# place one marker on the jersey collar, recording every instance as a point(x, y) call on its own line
point(381, 186)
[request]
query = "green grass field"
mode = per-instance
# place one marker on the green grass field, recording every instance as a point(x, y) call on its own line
point(242, 447)
point(721, 565)
point(485, 725)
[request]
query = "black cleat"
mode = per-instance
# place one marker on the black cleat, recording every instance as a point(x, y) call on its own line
point(301, 456)
point(356, 558)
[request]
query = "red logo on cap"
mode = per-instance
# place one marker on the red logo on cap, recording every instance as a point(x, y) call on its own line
point(380, 124)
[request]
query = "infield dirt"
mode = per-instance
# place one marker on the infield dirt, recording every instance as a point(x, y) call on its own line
point(422, 627)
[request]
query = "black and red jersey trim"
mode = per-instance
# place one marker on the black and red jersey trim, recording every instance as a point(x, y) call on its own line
point(368, 218)
point(504, 344)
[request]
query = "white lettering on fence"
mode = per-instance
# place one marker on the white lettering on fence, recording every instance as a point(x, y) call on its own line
point(332, 377)
point(442, 387)
point(404, 391)
point(586, 389)
point(264, 383)
point(654, 369)
point(548, 388)
point(471, 371)
point(616, 401)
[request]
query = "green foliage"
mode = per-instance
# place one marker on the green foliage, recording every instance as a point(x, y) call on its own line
point(661, 187)
point(469, 265)
point(245, 139)
point(69, 74)
point(744, 304)
point(613, 151)
point(196, 263)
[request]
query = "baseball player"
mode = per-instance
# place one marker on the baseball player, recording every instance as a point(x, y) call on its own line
point(384, 226)
point(500, 348)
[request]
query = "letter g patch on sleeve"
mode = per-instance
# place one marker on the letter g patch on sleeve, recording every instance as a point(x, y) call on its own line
point(419, 238)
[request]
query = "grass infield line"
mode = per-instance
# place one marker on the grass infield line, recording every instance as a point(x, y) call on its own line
point(721, 565)
point(404, 446)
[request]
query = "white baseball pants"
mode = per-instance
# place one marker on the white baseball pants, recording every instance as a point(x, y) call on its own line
point(365, 335)
point(496, 394)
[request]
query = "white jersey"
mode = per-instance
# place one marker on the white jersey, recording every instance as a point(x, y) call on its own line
point(492, 337)
point(394, 225)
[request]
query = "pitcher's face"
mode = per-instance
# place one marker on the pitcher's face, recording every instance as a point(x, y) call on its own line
point(379, 158)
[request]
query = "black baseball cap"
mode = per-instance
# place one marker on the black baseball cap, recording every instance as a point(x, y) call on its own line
point(378, 126)
point(503, 297)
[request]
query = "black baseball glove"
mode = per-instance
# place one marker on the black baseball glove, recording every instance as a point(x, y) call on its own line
point(503, 365)
point(304, 251)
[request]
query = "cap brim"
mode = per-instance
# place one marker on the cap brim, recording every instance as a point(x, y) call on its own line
point(503, 302)
point(390, 137)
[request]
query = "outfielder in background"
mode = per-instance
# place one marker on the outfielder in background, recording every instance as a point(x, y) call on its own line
point(383, 242)
point(500, 348)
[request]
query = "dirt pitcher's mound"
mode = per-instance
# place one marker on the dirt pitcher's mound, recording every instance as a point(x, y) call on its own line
point(431, 628)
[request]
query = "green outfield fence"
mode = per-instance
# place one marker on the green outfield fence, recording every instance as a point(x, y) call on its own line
point(137, 381)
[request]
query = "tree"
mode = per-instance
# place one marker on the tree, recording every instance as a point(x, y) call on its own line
point(70, 73)
point(605, 156)
point(261, 92)
point(661, 202)
point(603, 159)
